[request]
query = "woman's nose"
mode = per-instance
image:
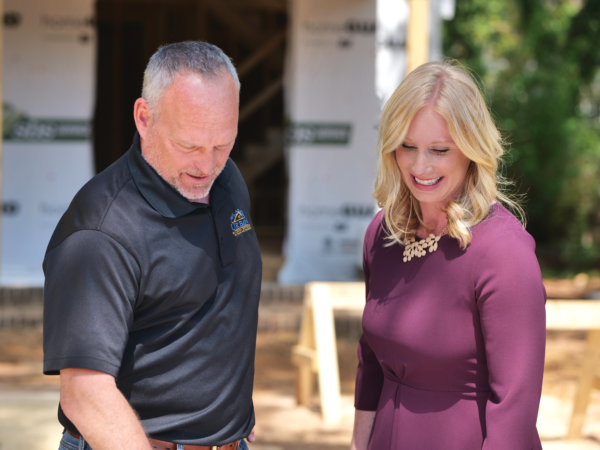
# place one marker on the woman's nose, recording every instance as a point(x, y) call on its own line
point(420, 164)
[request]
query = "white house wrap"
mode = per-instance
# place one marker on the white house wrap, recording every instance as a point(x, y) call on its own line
point(333, 112)
point(49, 58)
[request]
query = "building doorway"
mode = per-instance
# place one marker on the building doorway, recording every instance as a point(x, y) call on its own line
point(253, 33)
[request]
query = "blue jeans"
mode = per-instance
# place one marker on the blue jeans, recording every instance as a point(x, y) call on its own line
point(68, 442)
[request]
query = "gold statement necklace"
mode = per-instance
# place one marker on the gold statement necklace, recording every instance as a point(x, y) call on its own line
point(414, 248)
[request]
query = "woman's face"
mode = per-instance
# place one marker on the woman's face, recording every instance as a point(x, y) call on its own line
point(431, 163)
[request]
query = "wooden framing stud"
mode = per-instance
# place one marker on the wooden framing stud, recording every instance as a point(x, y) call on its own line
point(586, 384)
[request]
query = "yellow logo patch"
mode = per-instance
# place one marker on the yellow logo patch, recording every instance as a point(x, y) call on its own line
point(239, 223)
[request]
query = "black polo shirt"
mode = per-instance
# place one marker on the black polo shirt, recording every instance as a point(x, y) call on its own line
point(162, 293)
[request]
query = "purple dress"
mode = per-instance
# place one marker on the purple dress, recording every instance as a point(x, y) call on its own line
point(452, 354)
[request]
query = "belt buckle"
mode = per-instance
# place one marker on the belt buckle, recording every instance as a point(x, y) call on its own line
point(214, 447)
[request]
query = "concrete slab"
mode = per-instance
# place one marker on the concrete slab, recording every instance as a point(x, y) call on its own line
point(28, 400)
point(28, 421)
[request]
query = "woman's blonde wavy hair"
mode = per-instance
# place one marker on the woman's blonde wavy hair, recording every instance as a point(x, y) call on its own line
point(454, 95)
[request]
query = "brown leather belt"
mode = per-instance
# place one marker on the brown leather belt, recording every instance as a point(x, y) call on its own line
point(162, 445)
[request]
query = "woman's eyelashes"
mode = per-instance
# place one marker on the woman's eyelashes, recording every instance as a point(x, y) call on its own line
point(439, 151)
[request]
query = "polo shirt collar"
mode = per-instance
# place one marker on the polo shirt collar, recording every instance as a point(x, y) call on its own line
point(161, 196)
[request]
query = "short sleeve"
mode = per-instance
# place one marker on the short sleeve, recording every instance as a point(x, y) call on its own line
point(89, 297)
point(369, 375)
point(511, 301)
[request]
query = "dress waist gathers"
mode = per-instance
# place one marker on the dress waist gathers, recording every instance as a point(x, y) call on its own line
point(404, 408)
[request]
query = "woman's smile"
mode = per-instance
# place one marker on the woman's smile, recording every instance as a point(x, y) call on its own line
point(422, 183)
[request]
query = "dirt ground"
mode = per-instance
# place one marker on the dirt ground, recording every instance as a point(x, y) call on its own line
point(28, 399)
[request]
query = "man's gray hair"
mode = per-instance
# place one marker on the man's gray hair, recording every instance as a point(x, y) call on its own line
point(184, 58)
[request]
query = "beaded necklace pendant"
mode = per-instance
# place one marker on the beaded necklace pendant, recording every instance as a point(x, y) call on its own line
point(413, 248)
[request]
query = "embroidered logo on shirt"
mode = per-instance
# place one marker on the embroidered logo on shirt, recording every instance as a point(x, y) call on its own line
point(239, 223)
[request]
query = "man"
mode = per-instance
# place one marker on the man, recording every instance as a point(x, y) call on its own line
point(153, 275)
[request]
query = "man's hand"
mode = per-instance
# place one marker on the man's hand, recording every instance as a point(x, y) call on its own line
point(251, 437)
point(92, 401)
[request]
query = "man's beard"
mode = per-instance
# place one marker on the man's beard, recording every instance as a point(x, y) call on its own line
point(191, 193)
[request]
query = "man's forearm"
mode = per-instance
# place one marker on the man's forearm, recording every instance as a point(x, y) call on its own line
point(92, 401)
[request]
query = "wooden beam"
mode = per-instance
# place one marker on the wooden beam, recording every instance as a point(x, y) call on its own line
point(158, 2)
point(573, 314)
point(260, 99)
point(347, 296)
point(585, 385)
point(305, 380)
point(597, 383)
point(265, 50)
point(327, 357)
point(417, 39)
point(253, 168)
point(304, 356)
point(266, 5)
point(229, 16)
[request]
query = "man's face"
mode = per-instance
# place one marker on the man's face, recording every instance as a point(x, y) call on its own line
point(189, 136)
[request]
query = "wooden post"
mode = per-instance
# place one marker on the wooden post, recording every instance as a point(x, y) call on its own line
point(417, 39)
point(227, 13)
point(304, 357)
point(327, 358)
point(586, 383)
point(260, 99)
point(261, 53)
point(316, 351)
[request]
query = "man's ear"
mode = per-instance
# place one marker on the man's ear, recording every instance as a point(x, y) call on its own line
point(142, 116)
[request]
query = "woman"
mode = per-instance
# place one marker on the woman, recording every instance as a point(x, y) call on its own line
point(452, 354)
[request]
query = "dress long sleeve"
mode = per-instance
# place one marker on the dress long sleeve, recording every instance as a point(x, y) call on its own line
point(369, 376)
point(511, 298)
